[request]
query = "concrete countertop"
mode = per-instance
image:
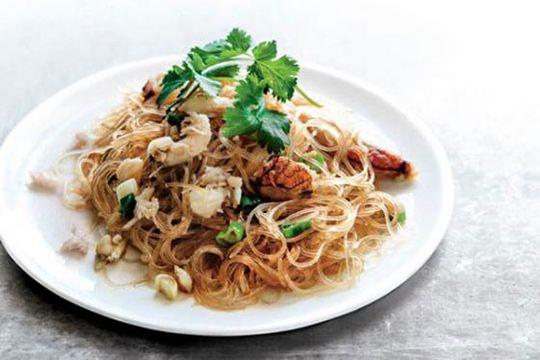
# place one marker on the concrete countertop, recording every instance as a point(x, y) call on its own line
point(469, 69)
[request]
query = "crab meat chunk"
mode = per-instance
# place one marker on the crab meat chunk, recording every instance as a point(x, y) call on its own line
point(206, 202)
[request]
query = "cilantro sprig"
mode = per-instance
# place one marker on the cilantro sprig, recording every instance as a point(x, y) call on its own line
point(250, 116)
point(279, 75)
point(205, 67)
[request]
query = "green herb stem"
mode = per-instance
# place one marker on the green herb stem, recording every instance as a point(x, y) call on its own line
point(307, 97)
point(224, 64)
point(190, 90)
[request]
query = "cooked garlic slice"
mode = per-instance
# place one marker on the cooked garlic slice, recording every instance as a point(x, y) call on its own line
point(127, 187)
point(184, 279)
point(166, 284)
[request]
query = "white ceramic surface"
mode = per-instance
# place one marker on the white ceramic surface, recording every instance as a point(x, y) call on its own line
point(34, 225)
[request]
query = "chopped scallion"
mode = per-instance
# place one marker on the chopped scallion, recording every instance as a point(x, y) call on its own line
point(295, 229)
point(247, 202)
point(314, 159)
point(126, 187)
point(402, 217)
point(233, 234)
point(127, 206)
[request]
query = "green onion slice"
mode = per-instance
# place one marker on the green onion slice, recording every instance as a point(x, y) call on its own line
point(314, 159)
point(233, 234)
point(402, 217)
point(247, 202)
point(295, 229)
point(127, 206)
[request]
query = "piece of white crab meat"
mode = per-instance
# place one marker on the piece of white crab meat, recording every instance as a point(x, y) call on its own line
point(159, 147)
point(43, 181)
point(213, 176)
point(235, 183)
point(200, 103)
point(206, 202)
point(82, 139)
point(147, 206)
point(217, 177)
point(77, 244)
point(130, 168)
point(196, 133)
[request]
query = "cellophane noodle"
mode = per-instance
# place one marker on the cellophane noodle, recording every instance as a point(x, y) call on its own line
point(349, 216)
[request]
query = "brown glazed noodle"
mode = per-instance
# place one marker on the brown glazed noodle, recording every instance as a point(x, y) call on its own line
point(188, 194)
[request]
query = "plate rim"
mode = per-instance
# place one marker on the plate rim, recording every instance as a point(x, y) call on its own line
point(410, 268)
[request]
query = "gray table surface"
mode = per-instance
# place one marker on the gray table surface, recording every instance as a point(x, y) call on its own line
point(470, 70)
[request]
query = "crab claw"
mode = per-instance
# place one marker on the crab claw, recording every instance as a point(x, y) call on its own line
point(386, 164)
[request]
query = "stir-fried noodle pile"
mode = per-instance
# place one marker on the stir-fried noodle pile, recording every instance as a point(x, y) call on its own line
point(175, 222)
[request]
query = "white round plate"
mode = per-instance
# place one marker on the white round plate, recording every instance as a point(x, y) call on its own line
point(34, 225)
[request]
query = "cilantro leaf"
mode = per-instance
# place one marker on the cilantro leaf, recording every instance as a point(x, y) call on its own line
point(201, 58)
point(265, 51)
point(250, 116)
point(209, 86)
point(236, 43)
point(279, 75)
point(210, 53)
point(250, 92)
point(274, 130)
point(239, 39)
point(240, 121)
point(206, 66)
point(195, 62)
point(224, 72)
point(196, 65)
point(175, 78)
point(216, 46)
